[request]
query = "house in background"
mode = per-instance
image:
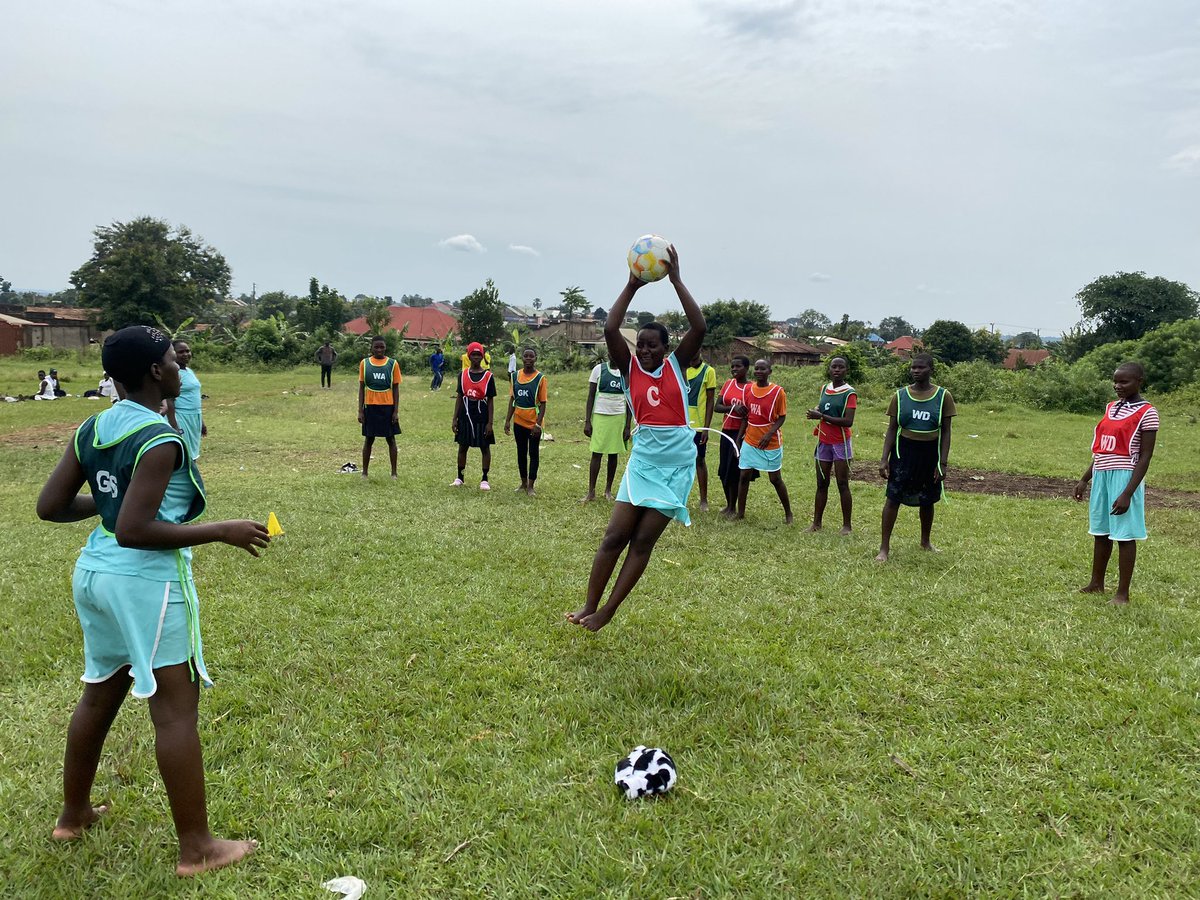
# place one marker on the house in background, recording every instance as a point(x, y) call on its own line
point(424, 323)
point(904, 346)
point(66, 327)
point(16, 334)
point(782, 351)
point(1024, 359)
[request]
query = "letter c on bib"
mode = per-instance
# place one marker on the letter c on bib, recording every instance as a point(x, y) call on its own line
point(652, 395)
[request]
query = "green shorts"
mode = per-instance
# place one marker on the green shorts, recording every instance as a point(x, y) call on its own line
point(137, 622)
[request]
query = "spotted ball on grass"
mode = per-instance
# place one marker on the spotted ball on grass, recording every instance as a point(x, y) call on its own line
point(645, 771)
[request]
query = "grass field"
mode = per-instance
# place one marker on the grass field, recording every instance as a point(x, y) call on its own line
point(395, 681)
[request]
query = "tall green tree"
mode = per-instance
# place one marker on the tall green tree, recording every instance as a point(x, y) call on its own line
point(1026, 340)
point(323, 309)
point(146, 268)
point(275, 303)
point(950, 341)
point(1124, 306)
point(849, 329)
point(5, 285)
point(574, 302)
point(810, 323)
point(892, 327)
point(728, 319)
point(482, 315)
point(988, 346)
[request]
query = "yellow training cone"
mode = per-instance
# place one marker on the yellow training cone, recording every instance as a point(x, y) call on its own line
point(274, 529)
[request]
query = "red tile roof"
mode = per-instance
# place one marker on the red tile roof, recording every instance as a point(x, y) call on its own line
point(904, 342)
point(1027, 357)
point(424, 323)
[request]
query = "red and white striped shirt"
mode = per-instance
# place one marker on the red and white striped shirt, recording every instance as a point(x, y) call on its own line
point(1116, 412)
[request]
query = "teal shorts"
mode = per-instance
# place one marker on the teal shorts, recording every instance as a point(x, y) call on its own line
point(137, 622)
point(1107, 485)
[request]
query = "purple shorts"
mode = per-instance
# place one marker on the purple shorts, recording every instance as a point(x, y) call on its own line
point(832, 452)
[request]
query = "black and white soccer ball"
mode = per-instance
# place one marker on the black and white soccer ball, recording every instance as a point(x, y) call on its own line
point(646, 770)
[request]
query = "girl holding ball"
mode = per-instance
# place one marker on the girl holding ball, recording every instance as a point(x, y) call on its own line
point(662, 464)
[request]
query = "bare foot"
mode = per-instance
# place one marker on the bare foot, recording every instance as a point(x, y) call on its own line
point(393, 474)
point(881, 556)
point(814, 528)
point(69, 830)
point(1092, 588)
point(845, 529)
point(729, 513)
point(531, 492)
point(591, 495)
point(598, 619)
point(930, 548)
point(787, 520)
point(364, 473)
point(703, 506)
point(216, 855)
point(1119, 600)
point(737, 517)
point(577, 617)
point(608, 495)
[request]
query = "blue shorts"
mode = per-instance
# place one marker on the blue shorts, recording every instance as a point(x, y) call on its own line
point(834, 452)
point(761, 460)
point(1107, 484)
point(132, 621)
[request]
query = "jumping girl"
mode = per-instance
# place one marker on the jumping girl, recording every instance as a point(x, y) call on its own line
point(662, 465)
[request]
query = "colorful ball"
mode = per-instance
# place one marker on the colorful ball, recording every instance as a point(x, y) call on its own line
point(648, 257)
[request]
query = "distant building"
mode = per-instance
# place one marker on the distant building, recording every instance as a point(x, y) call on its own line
point(904, 346)
point(1025, 359)
point(830, 340)
point(782, 351)
point(875, 340)
point(424, 323)
point(62, 327)
point(16, 334)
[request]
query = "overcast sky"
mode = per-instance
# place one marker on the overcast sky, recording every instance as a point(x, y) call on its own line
point(979, 160)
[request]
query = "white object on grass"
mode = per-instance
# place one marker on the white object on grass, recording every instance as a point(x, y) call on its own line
point(645, 771)
point(348, 886)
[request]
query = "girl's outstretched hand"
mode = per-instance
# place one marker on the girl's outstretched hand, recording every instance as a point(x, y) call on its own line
point(673, 264)
point(247, 534)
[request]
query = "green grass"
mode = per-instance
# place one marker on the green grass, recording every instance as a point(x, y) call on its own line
point(394, 678)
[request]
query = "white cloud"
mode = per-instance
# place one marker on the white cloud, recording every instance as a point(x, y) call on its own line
point(521, 248)
point(1186, 161)
point(465, 243)
point(820, 276)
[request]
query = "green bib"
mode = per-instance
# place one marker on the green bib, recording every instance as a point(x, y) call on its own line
point(920, 415)
point(525, 395)
point(109, 467)
point(696, 383)
point(834, 404)
point(609, 383)
point(378, 378)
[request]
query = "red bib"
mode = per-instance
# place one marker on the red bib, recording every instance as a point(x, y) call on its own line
point(475, 390)
point(731, 393)
point(1115, 436)
point(762, 409)
point(657, 400)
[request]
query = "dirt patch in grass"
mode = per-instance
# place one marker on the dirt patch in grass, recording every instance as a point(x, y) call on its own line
point(54, 435)
point(1037, 487)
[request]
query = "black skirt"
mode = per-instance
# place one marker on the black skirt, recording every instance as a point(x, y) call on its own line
point(913, 473)
point(471, 432)
point(377, 421)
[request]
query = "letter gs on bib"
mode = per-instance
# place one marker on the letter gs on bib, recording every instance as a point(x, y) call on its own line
point(106, 483)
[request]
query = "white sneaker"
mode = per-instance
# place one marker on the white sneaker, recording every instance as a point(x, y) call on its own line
point(484, 486)
point(457, 482)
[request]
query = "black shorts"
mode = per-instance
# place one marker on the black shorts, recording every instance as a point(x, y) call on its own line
point(377, 421)
point(701, 449)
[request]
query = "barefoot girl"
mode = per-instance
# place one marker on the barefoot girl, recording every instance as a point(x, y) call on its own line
point(834, 413)
point(134, 593)
point(662, 464)
point(474, 411)
point(527, 405)
point(916, 450)
point(1121, 450)
point(731, 402)
point(762, 447)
